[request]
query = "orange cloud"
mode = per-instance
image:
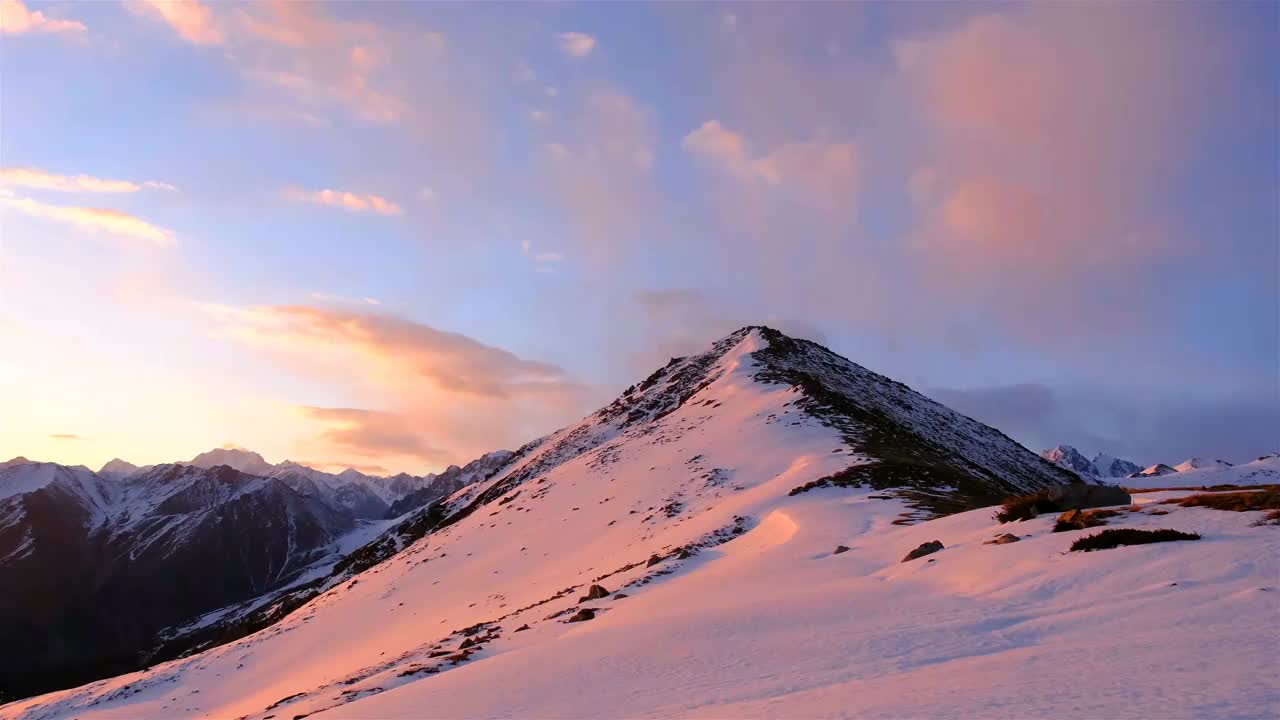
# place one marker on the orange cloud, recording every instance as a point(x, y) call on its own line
point(16, 19)
point(371, 433)
point(42, 180)
point(191, 19)
point(113, 222)
point(418, 391)
point(354, 202)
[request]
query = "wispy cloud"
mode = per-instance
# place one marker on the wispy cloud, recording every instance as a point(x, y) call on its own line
point(437, 395)
point(822, 168)
point(373, 433)
point(43, 180)
point(64, 436)
point(576, 44)
point(106, 220)
point(355, 202)
point(539, 257)
point(191, 19)
point(16, 19)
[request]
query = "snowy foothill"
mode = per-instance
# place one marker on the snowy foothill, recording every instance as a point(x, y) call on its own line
point(1263, 471)
point(666, 568)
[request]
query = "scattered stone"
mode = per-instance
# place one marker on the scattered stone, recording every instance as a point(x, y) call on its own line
point(928, 548)
point(522, 628)
point(684, 554)
point(619, 596)
point(840, 549)
point(581, 615)
point(653, 560)
point(594, 593)
point(1004, 539)
point(469, 642)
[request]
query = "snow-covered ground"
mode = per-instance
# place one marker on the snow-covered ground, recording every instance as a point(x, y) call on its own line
point(746, 611)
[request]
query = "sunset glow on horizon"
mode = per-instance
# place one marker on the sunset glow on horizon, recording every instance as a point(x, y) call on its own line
point(396, 236)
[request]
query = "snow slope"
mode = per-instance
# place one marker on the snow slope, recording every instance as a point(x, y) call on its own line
point(1198, 463)
point(1263, 471)
point(681, 497)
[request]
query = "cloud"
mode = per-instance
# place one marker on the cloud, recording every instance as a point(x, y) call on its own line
point(539, 257)
point(16, 19)
point(113, 222)
point(818, 169)
point(576, 44)
point(417, 391)
point(355, 202)
point(1050, 132)
point(64, 436)
point(602, 173)
point(371, 433)
point(42, 180)
point(191, 19)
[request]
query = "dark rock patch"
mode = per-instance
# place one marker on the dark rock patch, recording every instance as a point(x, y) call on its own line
point(928, 548)
point(582, 615)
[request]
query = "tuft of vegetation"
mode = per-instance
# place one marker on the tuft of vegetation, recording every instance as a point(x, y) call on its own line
point(1249, 500)
point(1117, 537)
point(1025, 507)
point(1271, 518)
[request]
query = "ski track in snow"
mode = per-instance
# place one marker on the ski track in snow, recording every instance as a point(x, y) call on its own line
point(760, 619)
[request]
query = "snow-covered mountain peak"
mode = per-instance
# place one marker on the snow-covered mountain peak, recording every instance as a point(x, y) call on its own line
point(245, 461)
point(639, 547)
point(117, 468)
point(1070, 458)
point(1199, 463)
point(15, 461)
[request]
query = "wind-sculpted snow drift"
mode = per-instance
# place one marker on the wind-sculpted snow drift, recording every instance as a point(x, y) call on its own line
point(672, 554)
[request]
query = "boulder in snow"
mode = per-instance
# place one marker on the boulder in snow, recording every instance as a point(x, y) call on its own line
point(928, 548)
point(1081, 496)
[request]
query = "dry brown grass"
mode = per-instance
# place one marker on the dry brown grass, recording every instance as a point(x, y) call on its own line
point(1266, 499)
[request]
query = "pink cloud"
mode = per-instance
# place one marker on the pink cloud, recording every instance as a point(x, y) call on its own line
point(355, 202)
point(16, 19)
point(191, 19)
point(43, 180)
point(105, 220)
point(575, 44)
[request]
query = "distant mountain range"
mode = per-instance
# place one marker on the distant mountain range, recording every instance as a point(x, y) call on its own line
point(1101, 466)
point(97, 567)
point(1106, 467)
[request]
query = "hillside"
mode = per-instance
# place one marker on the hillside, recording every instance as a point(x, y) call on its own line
point(755, 453)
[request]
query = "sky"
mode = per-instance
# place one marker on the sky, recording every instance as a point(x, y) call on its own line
point(395, 236)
